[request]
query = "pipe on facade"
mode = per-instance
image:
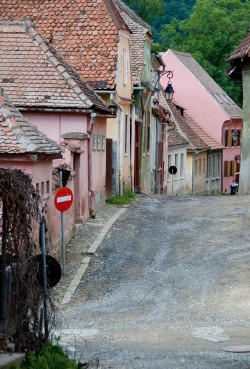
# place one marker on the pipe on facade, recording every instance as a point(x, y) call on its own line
point(132, 154)
point(90, 167)
point(120, 129)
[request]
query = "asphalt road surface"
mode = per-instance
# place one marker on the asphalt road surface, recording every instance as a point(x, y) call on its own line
point(168, 288)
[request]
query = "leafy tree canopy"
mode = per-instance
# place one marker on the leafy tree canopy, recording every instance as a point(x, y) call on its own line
point(208, 29)
point(212, 32)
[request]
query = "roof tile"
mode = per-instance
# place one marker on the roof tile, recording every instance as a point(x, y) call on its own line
point(62, 23)
point(37, 75)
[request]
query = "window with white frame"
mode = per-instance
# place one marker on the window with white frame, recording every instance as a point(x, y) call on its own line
point(169, 165)
point(218, 166)
point(213, 167)
point(94, 144)
point(182, 165)
point(176, 164)
point(103, 142)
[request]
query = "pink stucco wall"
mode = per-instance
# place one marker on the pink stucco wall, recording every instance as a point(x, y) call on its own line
point(192, 95)
point(230, 153)
point(54, 125)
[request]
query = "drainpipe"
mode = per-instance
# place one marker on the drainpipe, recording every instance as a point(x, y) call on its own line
point(120, 141)
point(132, 154)
point(90, 167)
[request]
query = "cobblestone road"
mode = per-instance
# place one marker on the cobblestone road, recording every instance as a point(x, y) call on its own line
point(168, 287)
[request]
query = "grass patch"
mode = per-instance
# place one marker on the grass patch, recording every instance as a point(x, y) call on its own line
point(50, 357)
point(125, 199)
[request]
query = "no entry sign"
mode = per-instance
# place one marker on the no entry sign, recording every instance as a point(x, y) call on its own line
point(63, 199)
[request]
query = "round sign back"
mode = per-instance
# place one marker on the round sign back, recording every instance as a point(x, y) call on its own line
point(172, 169)
point(63, 199)
point(53, 268)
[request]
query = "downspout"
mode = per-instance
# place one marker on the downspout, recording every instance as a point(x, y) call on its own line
point(132, 154)
point(120, 141)
point(90, 167)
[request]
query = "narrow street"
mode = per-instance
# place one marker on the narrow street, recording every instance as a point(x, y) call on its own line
point(168, 288)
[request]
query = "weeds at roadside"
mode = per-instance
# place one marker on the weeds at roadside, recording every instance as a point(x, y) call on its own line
point(127, 198)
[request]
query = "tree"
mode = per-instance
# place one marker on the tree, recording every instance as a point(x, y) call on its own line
point(149, 10)
point(211, 34)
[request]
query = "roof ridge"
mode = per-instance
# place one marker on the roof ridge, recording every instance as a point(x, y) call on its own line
point(133, 15)
point(115, 15)
point(181, 53)
point(223, 100)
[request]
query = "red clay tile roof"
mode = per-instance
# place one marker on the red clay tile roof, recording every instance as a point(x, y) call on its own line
point(228, 105)
point(18, 136)
point(176, 139)
point(242, 50)
point(140, 30)
point(34, 75)
point(85, 32)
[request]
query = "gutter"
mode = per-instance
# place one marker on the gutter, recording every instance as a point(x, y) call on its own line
point(120, 129)
point(90, 167)
point(132, 149)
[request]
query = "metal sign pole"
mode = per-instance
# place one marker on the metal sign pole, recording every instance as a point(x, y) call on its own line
point(172, 184)
point(62, 233)
point(45, 284)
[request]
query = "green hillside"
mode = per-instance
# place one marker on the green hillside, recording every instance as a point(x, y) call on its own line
point(208, 29)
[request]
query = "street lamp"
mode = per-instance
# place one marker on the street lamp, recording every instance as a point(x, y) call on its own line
point(169, 91)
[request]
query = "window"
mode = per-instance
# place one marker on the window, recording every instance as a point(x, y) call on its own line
point(209, 166)
point(196, 167)
point(103, 142)
point(234, 137)
point(169, 165)
point(99, 142)
point(176, 164)
point(213, 167)
point(239, 137)
point(182, 166)
point(47, 187)
point(42, 188)
point(204, 166)
point(226, 138)
point(94, 138)
point(218, 166)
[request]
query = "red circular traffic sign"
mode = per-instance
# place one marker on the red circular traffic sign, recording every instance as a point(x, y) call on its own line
point(63, 199)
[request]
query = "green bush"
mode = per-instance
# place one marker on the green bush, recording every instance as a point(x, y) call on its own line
point(125, 199)
point(50, 357)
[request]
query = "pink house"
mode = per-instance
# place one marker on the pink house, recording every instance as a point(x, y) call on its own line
point(209, 106)
point(23, 147)
point(53, 97)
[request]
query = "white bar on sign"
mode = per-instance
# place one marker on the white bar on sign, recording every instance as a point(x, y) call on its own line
point(63, 198)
